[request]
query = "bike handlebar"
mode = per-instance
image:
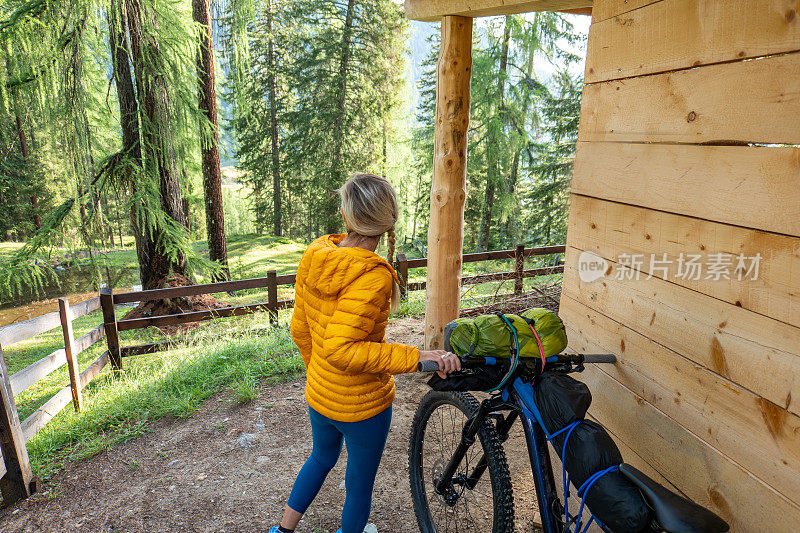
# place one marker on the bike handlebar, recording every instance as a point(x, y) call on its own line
point(572, 358)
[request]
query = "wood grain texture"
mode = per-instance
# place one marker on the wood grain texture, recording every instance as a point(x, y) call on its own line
point(433, 11)
point(744, 102)
point(678, 34)
point(611, 229)
point(755, 433)
point(746, 186)
point(448, 187)
point(603, 9)
point(15, 484)
point(707, 476)
point(735, 343)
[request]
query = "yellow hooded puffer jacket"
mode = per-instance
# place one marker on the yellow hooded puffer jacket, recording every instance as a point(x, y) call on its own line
point(340, 314)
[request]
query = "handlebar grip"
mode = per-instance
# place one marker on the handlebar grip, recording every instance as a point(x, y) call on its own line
point(427, 366)
point(600, 358)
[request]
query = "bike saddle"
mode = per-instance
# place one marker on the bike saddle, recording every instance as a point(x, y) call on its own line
point(674, 513)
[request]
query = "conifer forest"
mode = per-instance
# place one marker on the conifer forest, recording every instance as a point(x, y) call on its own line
point(168, 127)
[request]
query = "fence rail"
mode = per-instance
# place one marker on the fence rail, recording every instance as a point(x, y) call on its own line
point(16, 479)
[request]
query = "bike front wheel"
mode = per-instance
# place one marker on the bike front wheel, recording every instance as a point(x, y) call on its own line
point(485, 505)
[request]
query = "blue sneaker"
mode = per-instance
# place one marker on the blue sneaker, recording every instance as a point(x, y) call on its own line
point(274, 530)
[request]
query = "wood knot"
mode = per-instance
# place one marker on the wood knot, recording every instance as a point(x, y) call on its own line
point(691, 116)
point(593, 225)
point(790, 15)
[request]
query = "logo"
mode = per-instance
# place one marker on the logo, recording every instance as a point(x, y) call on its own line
point(591, 267)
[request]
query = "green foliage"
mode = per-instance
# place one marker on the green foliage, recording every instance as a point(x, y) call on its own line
point(338, 68)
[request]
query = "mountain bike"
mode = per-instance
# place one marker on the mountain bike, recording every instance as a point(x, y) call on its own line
point(460, 480)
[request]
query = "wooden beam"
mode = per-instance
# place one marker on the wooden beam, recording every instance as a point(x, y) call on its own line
point(752, 187)
point(604, 9)
point(731, 341)
point(448, 189)
point(70, 351)
point(701, 105)
point(16, 483)
point(610, 229)
point(682, 34)
point(432, 11)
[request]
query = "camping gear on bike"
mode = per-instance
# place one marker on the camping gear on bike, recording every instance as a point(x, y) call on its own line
point(551, 407)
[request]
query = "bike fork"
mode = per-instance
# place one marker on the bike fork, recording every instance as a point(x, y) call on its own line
point(549, 506)
point(467, 439)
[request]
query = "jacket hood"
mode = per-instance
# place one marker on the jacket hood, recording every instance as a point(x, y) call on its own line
point(329, 269)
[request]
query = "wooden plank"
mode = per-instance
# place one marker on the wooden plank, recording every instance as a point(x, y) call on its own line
point(2, 465)
point(85, 307)
point(20, 331)
point(604, 9)
point(754, 351)
point(70, 352)
point(111, 327)
point(679, 34)
point(752, 187)
point(194, 316)
point(448, 187)
point(755, 433)
point(701, 105)
point(494, 255)
point(611, 229)
point(703, 473)
point(16, 483)
point(496, 276)
point(29, 375)
point(39, 418)
point(272, 297)
point(429, 11)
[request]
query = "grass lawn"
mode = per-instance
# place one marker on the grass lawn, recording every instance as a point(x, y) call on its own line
point(231, 354)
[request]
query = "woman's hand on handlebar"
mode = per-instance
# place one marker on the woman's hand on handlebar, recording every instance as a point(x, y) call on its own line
point(448, 362)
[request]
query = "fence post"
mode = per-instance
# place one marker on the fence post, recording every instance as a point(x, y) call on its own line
point(17, 483)
point(65, 314)
point(110, 322)
point(519, 255)
point(402, 274)
point(272, 297)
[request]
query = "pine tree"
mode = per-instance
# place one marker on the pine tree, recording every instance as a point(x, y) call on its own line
point(212, 174)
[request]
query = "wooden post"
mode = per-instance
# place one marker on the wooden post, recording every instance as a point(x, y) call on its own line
point(110, 322)
point(272, 297)
point(519, 255)
point(65, 314)
point(17, 483)
point(402, 274)
point(448, 189)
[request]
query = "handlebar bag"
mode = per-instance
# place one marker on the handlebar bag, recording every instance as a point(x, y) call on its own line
point(481, 378)
point(488, 335)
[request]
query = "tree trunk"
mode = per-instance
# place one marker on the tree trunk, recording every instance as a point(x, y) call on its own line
point(493, 174)
point(277, 214)
point(157, 133)
point(337, 172)
point(212, 175)
point(129, 124)
point(23, 143)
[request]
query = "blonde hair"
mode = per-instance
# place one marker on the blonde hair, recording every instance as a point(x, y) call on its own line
point(369, 208)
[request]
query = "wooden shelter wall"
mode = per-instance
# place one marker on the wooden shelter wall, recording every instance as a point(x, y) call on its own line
point(688, 143)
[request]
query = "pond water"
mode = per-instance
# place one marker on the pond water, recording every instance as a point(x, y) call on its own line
point(76, 283)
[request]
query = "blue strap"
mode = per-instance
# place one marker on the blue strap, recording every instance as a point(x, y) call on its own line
point(490, 361)
point(583, 490)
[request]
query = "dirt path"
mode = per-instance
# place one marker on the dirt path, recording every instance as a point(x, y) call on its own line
point(229, 468)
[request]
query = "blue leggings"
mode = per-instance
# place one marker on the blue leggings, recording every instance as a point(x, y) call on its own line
point(365, 442)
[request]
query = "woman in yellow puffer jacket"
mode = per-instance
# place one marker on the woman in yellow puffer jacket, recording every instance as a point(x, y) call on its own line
point(343, 296)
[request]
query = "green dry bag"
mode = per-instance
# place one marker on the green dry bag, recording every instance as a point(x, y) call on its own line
point(488, 335)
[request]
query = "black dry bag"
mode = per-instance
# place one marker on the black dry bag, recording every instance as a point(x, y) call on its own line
point(614, 500)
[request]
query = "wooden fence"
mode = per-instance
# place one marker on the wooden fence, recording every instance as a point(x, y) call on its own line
point(15, 475)
point(16, 480)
